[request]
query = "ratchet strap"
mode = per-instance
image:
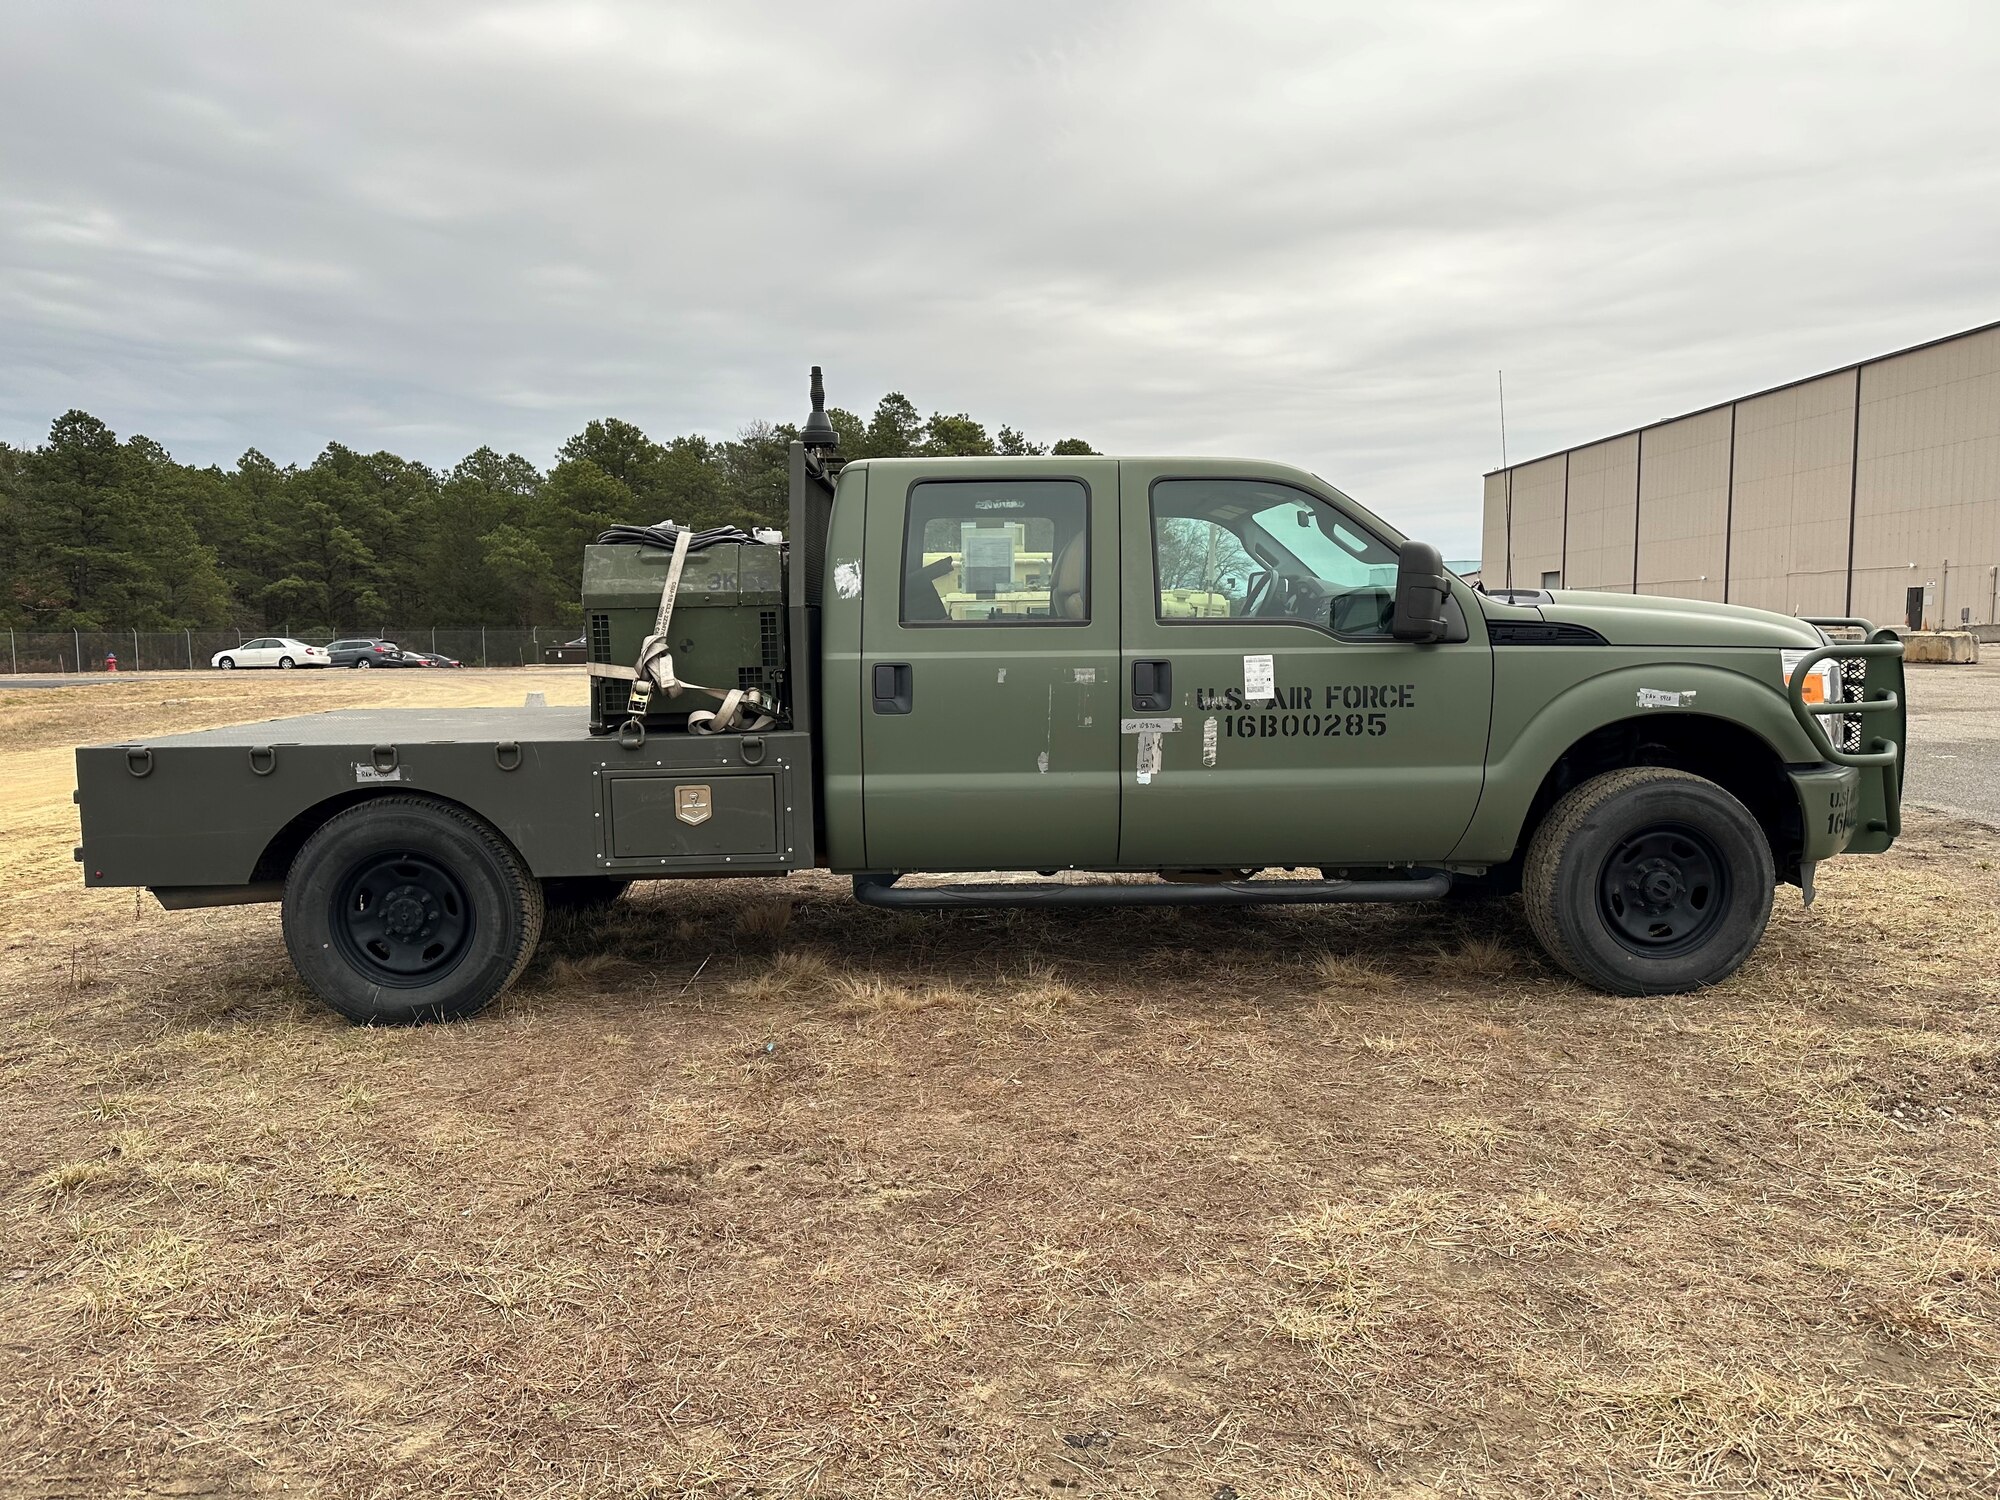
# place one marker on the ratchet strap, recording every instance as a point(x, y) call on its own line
point(741, 711)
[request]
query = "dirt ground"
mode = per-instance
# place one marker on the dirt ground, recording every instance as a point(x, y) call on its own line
point(748, 1190)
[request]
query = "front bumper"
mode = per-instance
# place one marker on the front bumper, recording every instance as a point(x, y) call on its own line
point(1829, 809)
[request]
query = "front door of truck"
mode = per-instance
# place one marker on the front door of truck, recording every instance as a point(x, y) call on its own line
point(990, 693)
point(1272, 719)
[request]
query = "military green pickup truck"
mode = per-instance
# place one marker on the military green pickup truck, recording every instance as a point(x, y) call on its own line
point(1215, 681)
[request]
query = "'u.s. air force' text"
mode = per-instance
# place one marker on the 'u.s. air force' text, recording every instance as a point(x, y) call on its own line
point(1358, 708)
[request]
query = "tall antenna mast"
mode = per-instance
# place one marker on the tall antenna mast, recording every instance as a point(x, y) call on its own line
point(1506, 478)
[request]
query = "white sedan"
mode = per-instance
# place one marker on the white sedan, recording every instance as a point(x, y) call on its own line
point(271, 651)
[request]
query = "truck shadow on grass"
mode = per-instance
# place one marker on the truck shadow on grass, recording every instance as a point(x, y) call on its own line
point(807, 942)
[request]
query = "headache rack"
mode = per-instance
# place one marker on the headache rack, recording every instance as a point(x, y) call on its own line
point(1870, 673)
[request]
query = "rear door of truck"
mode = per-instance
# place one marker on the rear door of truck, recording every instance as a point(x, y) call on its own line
point(990, 696)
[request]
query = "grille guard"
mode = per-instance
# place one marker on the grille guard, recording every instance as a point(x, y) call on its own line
point(1881, 697)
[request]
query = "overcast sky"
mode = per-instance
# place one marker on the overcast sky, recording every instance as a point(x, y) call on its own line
point(1306, 232)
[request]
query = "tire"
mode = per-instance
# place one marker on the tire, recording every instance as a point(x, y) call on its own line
point(1649, 882)
point(362, 661)
point(285, 663)
point(582, 892)
point(406, 908)
point(226, 665)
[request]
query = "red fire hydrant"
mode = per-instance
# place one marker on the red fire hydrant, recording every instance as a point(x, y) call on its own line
point(111, 661)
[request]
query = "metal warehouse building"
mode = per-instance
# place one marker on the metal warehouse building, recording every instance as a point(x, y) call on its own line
point(1870, 490)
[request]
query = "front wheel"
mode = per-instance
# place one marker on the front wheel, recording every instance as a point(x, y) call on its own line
point(1649, 882)
point(226, 665)
point(407, 908)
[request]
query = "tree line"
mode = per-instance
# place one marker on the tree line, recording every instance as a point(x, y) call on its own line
point(102, 534)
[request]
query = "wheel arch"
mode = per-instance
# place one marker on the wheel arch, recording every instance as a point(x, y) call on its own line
point(283, 846)
point(1734, 757)
point(1564, 723)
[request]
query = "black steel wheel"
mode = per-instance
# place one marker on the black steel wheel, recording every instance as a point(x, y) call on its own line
point(408, 908)
point(1649, 881)
point(1663, 889)
point(402, 919)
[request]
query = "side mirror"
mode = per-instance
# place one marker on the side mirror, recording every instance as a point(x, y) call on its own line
point(1421, 589)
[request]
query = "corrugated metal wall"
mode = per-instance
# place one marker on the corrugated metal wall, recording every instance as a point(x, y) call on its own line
point(1793, 450)
point(1603, 494)
point(1832, 496)
point(1684, 506)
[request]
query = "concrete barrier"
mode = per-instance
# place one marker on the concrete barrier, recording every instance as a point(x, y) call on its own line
point(1940, 646)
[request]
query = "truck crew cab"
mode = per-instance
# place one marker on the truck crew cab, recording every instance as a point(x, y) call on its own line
point(1181, 672)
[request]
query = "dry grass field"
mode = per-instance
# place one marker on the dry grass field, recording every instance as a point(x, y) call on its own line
point(748, 1190)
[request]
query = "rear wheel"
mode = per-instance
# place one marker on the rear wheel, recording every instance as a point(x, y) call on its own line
point(1649, 882)
point(409, 909)
point(286, 663)
point(362, 661)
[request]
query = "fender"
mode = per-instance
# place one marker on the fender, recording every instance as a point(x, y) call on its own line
point(1525, 746)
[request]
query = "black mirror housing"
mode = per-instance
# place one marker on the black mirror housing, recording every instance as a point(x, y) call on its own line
point(1422, 586)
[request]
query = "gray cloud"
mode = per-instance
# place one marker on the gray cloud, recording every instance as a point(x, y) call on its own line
point(1309, 232)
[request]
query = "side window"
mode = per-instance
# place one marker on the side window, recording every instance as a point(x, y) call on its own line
point(1245, 549)
point(996, 552)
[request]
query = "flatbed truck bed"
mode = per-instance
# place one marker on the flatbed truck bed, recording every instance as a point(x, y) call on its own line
point(573, 804)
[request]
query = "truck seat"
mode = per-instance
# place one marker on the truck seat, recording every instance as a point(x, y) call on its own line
point(1067, 595)
point(921, 600)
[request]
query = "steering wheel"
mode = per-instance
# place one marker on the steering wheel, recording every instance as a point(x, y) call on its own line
point(1305, 599)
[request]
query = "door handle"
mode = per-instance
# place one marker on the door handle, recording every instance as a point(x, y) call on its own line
point(1152, 686)
point(894, 688)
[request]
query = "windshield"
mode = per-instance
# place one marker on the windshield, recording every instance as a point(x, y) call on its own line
point(1329, 550)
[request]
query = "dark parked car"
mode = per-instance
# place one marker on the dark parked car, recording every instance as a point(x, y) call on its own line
point(371, 651)
point(568, 651)
point(435, 659)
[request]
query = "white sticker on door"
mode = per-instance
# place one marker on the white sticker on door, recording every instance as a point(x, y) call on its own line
point(1260, 677)
point(1149, 755)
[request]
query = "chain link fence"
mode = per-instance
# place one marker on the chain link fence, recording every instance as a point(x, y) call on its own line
point(57, 652)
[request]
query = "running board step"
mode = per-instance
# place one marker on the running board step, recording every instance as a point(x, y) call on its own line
point(882, 890)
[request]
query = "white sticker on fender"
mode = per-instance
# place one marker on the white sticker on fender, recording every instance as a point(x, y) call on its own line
point(1655, 698)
